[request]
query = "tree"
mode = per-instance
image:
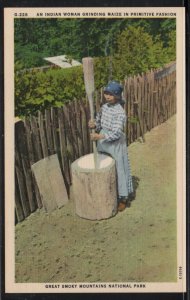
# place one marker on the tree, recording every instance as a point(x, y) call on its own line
point(134, 53)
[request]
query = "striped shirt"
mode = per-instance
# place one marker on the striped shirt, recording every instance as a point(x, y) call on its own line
point(111, 120)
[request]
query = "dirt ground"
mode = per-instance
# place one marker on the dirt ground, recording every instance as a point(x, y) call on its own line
point(138, 244)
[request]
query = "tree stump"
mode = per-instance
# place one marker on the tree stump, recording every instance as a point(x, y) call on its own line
point(94, 189)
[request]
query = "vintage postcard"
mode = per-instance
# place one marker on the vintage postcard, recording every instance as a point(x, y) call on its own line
point(95, 150)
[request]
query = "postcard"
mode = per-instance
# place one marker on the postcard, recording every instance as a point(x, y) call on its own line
point(95, 150)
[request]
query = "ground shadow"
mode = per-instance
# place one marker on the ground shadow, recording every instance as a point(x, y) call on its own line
point(132, 196)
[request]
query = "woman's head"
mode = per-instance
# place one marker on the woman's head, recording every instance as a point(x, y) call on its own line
point(113, 91)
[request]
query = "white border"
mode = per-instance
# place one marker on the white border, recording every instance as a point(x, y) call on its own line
point(9, 15)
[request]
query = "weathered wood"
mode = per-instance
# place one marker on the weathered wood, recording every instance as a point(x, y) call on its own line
point(156, 101)
point(36, 192)
point(29, 140)
point(125, 107)
point(62, 138)
point(54, 129)
point(160, 106)
point(94, 190)
point(133, 111)
point(50, 182)
point(88, 70)
point(42, 134)
point(35, 139)
point(18, 205)
point(151, 98)
point(87, 116)
point(129, 112)
point(71, 143)
point(29, 185)
point(84, 129)
point(141, 105)
point(21, 184)
point(79, 107)
point(78, 127)
point(63, 147)
point(146, 106)
point(154, 92)
point(21, 145)
point(138, 107)
point(48, 126)
point(73, 126)
point(169, 96)
point(162, 102)
point(139, 121)
point(34, 187)
point(148, 102)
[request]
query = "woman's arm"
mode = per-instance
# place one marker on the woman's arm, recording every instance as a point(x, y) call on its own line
point(96, 136)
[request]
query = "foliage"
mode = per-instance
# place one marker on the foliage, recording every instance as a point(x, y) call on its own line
point(171, 50)
point(40, 90)
point(39, 38)
point(120, 47)
point(137, 52)
point(37, 90)
point(101, 71)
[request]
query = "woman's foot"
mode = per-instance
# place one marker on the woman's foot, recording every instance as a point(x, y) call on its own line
point(121, 206)
point(123, 202)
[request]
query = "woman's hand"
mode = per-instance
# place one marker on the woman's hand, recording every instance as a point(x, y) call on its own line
point(92, 124)
point(96, 136)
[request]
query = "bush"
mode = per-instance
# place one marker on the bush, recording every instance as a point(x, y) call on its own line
point(37, 90)
point(137, 53)
point(40, 90)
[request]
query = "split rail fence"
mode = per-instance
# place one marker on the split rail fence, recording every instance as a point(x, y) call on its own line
point(150, 100)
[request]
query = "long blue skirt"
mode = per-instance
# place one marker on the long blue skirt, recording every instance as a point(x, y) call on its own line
point(118, 150)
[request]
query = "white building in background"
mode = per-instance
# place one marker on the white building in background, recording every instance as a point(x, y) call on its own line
point(63, 61)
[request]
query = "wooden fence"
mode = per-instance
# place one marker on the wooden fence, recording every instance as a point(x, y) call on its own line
point(150, 100)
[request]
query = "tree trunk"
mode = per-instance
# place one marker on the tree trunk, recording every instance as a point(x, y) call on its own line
point(94, 189)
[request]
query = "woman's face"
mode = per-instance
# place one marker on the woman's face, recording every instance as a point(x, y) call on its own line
point(109, 97)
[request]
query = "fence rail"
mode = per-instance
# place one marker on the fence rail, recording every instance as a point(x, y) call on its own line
point(150, 100)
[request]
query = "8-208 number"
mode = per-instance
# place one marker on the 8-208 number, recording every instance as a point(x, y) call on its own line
point(20, 14)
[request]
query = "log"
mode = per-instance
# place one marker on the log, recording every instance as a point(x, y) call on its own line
point(50, 182)
point(94, 190)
